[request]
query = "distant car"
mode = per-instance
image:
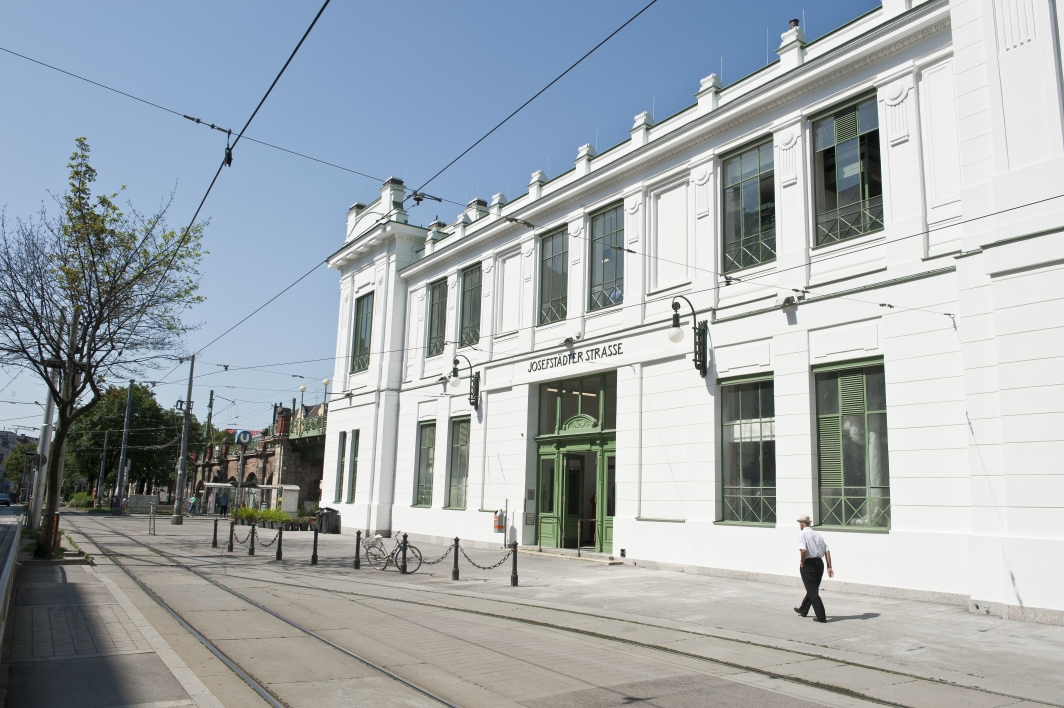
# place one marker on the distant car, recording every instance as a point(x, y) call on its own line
point(5, 499)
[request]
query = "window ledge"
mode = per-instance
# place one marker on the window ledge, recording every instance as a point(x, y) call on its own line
point(421, 506)
point(667, 288)
point(754, 524)
point(454, 508)
point(854, 529)
point(505, 335)
point(752, 271)
point(662, 521)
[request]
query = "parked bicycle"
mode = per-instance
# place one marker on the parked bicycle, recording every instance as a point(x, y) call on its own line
point(378, 556)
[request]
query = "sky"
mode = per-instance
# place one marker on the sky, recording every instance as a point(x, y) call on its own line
point(382, 88)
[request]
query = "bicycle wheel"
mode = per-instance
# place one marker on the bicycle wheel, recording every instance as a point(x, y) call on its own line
point(413, 558)
point(377, 557)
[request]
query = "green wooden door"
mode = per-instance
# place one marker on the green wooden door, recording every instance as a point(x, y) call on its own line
point(548, 517)
point(607, 501)
point(572, 498)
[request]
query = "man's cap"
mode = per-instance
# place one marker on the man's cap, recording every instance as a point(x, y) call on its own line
point(804, 519)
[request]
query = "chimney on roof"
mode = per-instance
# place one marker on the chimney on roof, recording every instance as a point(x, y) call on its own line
point(792, 47)
point(392, 195)
point(476, 208)
point(794, 24)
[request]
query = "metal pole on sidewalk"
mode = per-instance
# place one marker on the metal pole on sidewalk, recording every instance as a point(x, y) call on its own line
point(121, 475)
point(314, 555)
point(251, 546)
point(182, 464)
point(214, 541)
point(402, 566)
point(232, 527)
point(513, 570)
point(280, 540)
point(454, 568)
point(103, 471)
point(358, 549)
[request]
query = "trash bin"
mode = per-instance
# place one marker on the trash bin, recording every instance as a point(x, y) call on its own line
point(328, 520)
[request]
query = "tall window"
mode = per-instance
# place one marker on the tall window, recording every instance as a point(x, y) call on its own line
point(354, 468)
point(554, 277)
point(340, 461)
point(851, 407)
point(470, 321)
point(426, 458)
point(849, 183)
point(437, 317)
point(363, 332)
point(607, 259)
point(748, 454)
point(749, 209)
point(456, 488)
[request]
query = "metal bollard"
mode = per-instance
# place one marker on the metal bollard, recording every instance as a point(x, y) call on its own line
point(214, 541)
point(280, 538)
point(251, 546)
point(513, 571)
point(314, 555)
point(402, 564)
point(454, 568)
point(232, 527)
point(358, 549)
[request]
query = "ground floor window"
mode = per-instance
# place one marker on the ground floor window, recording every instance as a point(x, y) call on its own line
point(426, 459)
point(459, 468)
point(748, 452)
point(354, 468)
point(852, 446)
point(340, 461)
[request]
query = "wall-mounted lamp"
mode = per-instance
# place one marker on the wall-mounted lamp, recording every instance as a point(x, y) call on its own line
point(701, 334)
point(474, 381)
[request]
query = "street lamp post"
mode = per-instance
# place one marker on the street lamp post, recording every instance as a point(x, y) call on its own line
point(325, 404)
point(701, 330)
point(474, 381)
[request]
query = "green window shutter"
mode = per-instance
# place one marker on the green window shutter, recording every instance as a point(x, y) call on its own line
point(851, 393)
point(830, 435)
point(846, 125)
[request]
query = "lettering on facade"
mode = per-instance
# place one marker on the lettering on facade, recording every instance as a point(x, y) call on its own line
point(583, 356)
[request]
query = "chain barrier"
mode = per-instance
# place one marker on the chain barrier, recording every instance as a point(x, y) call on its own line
point(246, 537)
point(267, 544)
point(441, 558)
point(491, 567)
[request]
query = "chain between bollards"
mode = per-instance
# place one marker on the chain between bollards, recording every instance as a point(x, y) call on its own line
point(232, 530)
point(251, 546)
point(314, 555)
point(280, 540)
point(214, 540)
point(358, 549)
point(454, 568)
point(402, 565)
point(513, 571)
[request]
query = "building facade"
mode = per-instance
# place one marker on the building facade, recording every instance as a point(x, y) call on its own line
point(871, 229)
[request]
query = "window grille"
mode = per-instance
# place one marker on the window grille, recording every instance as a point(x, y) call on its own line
point(848, 174)
point(749, 208)
point(363, 333)
point(437, 317)
point(469, 333)
point(748, 454)
point(607, 259)
point(554, 278)
point(852, 447)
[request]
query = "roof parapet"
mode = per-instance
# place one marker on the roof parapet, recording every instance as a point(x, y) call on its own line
point(535, 186)
point(393, 192)
point(476, 208)
point(641, 130)
point(709, 94)
point(583, 159)
point(792, 47)
point(498, 201)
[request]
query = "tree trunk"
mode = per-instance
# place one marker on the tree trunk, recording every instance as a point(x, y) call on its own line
point(48, 536)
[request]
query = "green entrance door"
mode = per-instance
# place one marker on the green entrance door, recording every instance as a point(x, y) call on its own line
point(607, 502)
point(572, 498)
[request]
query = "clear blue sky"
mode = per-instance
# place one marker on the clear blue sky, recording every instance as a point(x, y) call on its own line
point(385, 88)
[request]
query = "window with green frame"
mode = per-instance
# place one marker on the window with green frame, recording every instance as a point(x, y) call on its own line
point(340, 462)
point(847, 173)
point(851, 407)
point(363, 332)
point(426, 459)
point(749, 208)
point(606, 260)
point(459, 467)
point(554, 277)
point(748, 452)
point(354, 468)
point(469, 325)
point(437, 317)
point(575, 404)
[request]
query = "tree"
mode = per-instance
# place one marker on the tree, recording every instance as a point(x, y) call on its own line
point(154, 439)
point(13, 463)
point(94, 293)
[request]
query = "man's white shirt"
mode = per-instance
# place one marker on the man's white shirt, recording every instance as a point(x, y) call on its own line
point(812, 543)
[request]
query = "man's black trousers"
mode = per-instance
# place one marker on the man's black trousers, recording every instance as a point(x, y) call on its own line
point(812, 574)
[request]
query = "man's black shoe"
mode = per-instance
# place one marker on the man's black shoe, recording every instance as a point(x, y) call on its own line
point(800, 612)
point(820, 620)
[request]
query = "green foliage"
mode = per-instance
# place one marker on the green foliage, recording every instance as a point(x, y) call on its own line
point(246, 512)
point(81, 500)
point(274, 515)
point(14, 460)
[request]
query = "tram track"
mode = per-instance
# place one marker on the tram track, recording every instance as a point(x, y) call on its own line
point(258, 686)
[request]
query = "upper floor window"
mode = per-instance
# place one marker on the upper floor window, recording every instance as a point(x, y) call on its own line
point(470, 321)
point(847, 173)
point(363, 331)
point(437, 317)
point(554, 277)
point(607, 259)
point(749, 209)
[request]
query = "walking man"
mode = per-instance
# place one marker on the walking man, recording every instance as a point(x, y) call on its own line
point(813, 552)
point(225, 505)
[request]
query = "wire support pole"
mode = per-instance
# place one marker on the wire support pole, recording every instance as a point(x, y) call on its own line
point(182, 464)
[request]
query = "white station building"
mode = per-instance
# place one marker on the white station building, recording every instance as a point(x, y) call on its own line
point(872, 229)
